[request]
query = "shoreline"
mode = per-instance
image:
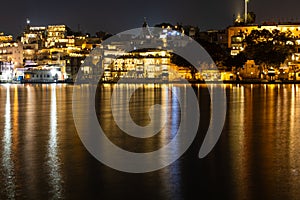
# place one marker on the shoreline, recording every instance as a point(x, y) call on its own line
point(160, 82)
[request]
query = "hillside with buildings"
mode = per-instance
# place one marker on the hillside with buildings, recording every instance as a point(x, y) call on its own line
point(55, 53)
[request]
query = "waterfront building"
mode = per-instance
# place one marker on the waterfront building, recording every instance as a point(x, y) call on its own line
point(33, 39)
point(147, 64)
point(12, 52)
point(73, 64)
point(140, 63)
point(215, 36)
point(54, 34)
point(6, 71)
point(34, 35)
point(5, 38)
point(56, 45)
point(43, 74)
point(250, 70)
point(236, 34)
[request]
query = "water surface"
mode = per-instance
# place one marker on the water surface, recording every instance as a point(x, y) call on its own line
point(257, 156)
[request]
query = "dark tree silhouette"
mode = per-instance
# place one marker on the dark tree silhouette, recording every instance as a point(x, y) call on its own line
point(251, 18)
point(236, 61)
point(269, 48)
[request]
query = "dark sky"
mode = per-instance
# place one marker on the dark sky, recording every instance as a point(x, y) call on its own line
point(120, 15)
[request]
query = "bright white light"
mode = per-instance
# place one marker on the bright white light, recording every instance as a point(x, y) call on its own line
point(53, 72)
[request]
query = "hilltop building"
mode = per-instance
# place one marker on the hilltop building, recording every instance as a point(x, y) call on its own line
point(236, 34)
point(11, 56)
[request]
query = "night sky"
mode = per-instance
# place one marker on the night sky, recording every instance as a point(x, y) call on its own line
point(119, 15)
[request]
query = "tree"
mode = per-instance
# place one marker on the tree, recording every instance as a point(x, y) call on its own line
point(216, 52)
point(251, 18)
point(269, 48)
point(236, 61)
point(103, 35)
point(179, 61)
point(70, 32)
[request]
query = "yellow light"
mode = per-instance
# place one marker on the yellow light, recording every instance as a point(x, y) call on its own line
point(27, 76)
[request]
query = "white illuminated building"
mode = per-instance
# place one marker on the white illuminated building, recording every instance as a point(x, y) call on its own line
point(43, 74)
point(11, 57)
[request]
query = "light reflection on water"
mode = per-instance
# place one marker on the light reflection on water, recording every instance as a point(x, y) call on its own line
point(237, 142)
point(264, 131)
point(53, 160)
point(7, 162)
point(257, 156)
point(30, 168)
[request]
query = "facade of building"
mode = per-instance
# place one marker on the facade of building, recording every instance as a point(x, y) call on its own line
point(250, 70)
point(150, 64)
point(55, 34)
point(215, 36)
point(51, 45)
point(5, 38)
point(12, 52)
point(236, 34)
point(43, 74)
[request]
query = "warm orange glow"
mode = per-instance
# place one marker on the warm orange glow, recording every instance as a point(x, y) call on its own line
point(27, 76)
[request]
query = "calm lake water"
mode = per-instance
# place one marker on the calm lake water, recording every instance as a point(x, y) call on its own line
point(257, 156)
